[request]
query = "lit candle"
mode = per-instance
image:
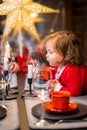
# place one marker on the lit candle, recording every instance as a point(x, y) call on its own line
point(7, 50)
point(30, 71)
point(5, 67)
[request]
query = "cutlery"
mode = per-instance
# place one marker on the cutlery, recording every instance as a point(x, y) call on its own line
point(67, 121)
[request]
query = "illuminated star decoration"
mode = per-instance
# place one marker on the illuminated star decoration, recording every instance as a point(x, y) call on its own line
point(18, 13)
point(35, 19)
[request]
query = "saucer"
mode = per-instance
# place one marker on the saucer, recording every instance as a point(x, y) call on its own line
point(49, 106)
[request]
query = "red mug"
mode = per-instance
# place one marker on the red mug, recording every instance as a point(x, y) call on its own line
point(60, 99)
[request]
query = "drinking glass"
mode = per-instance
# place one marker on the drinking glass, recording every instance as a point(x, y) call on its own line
point(10, 93)
point(3, 84)
point(42, 122)
point(8, 76)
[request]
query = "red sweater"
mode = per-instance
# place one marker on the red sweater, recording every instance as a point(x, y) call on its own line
point(72, 79)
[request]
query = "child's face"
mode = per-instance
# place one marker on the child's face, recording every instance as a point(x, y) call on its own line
point(54, 58)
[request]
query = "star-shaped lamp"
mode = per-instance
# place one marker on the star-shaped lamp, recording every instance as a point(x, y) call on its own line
point(35, 19)
point(18, 13)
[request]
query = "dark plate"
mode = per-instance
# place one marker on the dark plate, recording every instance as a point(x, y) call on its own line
point(3, 112)
point(80, 112)
point(10, 97)
point(13, 91)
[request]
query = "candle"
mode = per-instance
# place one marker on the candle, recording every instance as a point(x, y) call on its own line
point(7, 50)
point(5, 67)
point(30, 71)
point(42, 94)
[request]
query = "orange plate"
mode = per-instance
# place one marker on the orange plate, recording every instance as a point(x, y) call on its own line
point(49, 106)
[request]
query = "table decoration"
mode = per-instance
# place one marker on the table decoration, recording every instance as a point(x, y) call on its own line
point(7, 50)
point(14, 12)
point(30, 80)
point(32, 73)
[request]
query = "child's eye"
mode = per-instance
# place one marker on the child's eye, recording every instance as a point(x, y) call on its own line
point(51, 52)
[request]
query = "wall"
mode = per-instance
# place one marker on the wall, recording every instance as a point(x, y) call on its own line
point(79, 22)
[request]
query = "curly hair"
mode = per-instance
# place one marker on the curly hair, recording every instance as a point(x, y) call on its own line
point(67, 43)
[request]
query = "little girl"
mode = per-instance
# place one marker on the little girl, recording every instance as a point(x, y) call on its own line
point(62, 50)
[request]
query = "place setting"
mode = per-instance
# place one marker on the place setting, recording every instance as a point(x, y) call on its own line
point(58, 109)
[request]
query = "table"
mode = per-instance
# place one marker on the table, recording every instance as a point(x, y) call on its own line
point(30, 102)
point(19, 114)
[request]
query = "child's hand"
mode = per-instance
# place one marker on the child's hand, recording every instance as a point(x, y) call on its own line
point(48, 84)
point(51, 84)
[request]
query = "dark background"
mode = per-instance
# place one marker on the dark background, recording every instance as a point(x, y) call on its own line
point(72, 16)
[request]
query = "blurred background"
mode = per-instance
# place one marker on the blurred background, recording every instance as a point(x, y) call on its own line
point(72, 16)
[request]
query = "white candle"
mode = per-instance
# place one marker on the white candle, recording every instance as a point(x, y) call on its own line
point(30, 71)
point(7, 50)
point(5, 67)
point(42, 94)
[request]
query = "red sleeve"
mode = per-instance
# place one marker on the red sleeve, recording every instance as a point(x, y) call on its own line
point(71, 80)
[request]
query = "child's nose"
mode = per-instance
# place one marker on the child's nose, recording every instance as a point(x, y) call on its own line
point(47, 55)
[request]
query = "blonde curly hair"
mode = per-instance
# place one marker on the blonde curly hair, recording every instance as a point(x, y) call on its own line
point(67, 43)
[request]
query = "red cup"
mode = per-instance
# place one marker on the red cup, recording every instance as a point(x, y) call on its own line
point(60, 99)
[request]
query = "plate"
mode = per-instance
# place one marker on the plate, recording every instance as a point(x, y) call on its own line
point(10, 97)
point(73, 113)
point(3, 112)
point(49, 106)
